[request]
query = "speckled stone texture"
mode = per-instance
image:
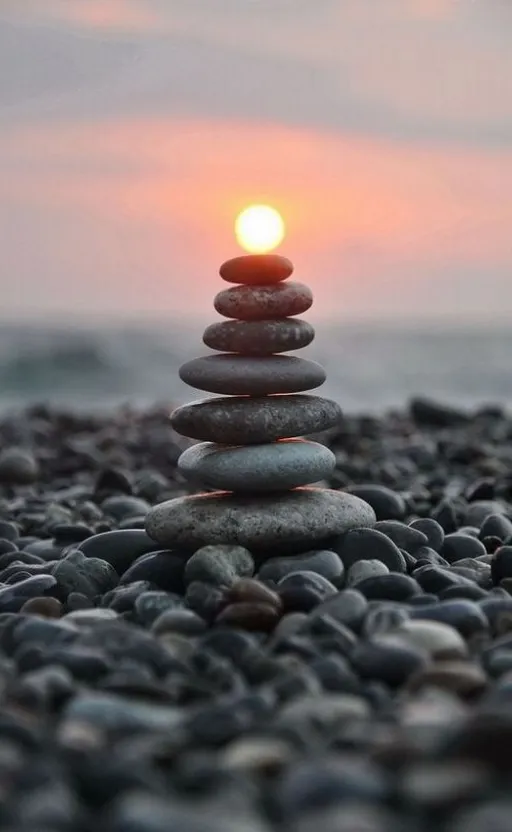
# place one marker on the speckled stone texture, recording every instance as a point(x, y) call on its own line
point(242, 420)
point(298, 519)
point(259, 337)
point(258, 303)
point(239, 375)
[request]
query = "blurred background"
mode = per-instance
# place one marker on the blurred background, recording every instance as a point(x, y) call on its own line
point(132, 132)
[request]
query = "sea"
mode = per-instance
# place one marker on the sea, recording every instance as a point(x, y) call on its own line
point(370, 367)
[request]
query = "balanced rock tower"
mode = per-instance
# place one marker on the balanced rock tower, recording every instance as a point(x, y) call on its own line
point(249, 451)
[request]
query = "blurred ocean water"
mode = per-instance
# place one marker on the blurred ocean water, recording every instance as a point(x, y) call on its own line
point(369, 367)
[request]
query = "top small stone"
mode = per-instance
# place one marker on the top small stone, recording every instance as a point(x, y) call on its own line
point(256, 269)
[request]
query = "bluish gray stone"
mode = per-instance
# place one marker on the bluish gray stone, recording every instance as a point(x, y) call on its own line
point(276, 466)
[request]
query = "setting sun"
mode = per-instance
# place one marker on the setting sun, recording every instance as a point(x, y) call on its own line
point(259, 228)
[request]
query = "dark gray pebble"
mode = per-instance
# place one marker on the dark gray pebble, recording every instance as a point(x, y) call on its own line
point(446, 515)
point(348, 607)
point(459, 546)
point(387, 504)
point(120, 507)
point(9, 531)
point(150, 605)
point(163, 568)
point(219, 565)
point(368, 544)
point(466, 616)
point(119, 548)
point(404, 536)
point(501, 564)
point(90, 576)
point(496, 525)
point(18, 467)
point(179, 620)
point(14, 596)
point(324, 562)
point(392, 587)
point(301, 591)
point(387, 660)
point(432, 529)
point(363, 569)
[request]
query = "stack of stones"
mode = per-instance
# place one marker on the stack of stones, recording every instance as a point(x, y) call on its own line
point(249, 453)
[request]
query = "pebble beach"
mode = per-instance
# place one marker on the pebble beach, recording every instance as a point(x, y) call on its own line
point(362, 686)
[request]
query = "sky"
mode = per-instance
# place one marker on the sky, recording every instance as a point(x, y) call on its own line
point(133, 131)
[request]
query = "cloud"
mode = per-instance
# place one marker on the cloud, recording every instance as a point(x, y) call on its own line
point(421, 70)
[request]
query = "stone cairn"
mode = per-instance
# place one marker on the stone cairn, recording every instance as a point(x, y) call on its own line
point(249, 450)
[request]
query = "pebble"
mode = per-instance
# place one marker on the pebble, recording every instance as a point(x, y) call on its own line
point(363, 569)
point(256, 269)
point(300, 518)
point(466, 616)
point(387, 504)
point(301, 591)
point(496, 525)
point(404, 536)
point(238, 375)
point(322, 561)
point(257, 468)
point(456, 547)
point(433, 531)
point(464, 678)
point(392, 587)
point(368, 544)
point(18, 467)
point(441, 641)
point(259, 337)
point(259, 303)
point(501, 564)
point(388, 660)
point(118, 548)
point(46, 606)
point(219, 565)
point(242, 420)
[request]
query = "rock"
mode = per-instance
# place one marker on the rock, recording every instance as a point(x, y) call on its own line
point(346, 607)
point(121, 507)
point(387, 504)
point(479, 510)
point(259, 337)
point(501, 564)
point(271, 467)
point(367, 544)
point(120, 714)
point(301, 591)
point(496, 525)
point(163, 568)
point(259, 303)
point(119, 548)
point(183, 621)
point(433, 531)
point(256, 269)
point(237, 375)
point(150, 605)
point(296, 519)
point(432, 414)
point(458, 546)
point(441, 641)
point(247, 590)
point(465, 616)
point(323, 561)
point(404, 536)
point(17, 467)
point(9, 531)
point(388, 659)
point(464, 678)
point(47, 607)
point(391, 587)
point(363, 569)
point(243, 420)
point(89, 576)
point(250, 615)
point(220, 565)
point(14, 596)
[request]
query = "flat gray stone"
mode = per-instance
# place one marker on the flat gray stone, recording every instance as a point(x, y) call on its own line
point(240, 420)
point(259, 303)
point(236, 375)
point(277, 466)
point(259, 337)
point(293, 521)
point(256, 268)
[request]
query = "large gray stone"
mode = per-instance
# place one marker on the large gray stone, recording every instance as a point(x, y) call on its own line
point(242, 420)
point(259, 337)
point(272, 467)
point(293, 521)
point(256, 268)
point(259, 303)
point(236, 375)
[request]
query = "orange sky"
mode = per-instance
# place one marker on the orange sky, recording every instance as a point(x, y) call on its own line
point(129, 145)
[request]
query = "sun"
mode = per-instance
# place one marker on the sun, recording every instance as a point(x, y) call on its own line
point(259, 228)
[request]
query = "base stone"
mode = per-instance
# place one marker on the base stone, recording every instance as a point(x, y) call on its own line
point(296, 520)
